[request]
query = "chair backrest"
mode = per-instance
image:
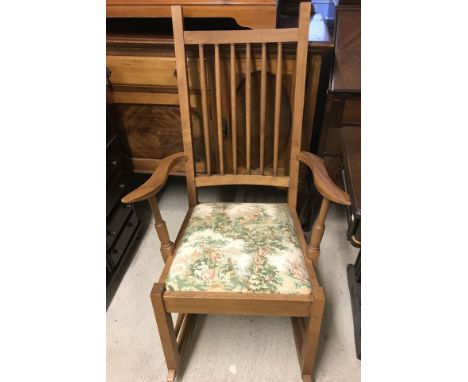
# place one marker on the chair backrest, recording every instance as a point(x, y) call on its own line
point(265, 173)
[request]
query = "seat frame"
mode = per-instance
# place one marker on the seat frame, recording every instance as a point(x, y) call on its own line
point(306, 311)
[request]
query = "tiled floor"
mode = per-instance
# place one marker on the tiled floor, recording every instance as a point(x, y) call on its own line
point(226, 348)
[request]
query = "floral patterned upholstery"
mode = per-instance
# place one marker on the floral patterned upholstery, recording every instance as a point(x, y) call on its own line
point(240, 247)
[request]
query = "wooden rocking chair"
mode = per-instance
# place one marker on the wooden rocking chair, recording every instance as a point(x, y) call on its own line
point(240, 258)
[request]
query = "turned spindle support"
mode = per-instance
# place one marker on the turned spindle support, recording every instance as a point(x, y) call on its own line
point(167, 246)
point(317, 232)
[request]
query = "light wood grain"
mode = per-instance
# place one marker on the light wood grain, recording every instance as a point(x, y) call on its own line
point(299, 91)
point(218, 110)
point(241, 36)
point(233, 107)
point(206, 132)
point(322, 181)
point(165, 327)
point(312, 334)
point(263, 107)
point(318, 229)
point(279, 74)
point(238, 303)
point(167, 246)
point(248, 104)
point(255, 180)
point(182, 82)
point(156, 181)
point(147, 70)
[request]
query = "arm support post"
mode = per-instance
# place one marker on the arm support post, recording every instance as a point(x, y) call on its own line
point(167, 246)
point(148, 191)
point(313, 248)
point(330, 192)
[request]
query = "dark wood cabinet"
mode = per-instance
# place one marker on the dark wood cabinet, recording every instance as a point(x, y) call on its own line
point(343, 106)
point(122, 222)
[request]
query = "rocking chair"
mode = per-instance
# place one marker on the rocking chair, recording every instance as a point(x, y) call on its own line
point(240, 258)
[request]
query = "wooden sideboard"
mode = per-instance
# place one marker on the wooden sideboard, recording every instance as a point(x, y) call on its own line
point(247, 13)
point(144, 104)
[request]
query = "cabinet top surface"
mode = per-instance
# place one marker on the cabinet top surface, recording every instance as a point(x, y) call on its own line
point(191, 2)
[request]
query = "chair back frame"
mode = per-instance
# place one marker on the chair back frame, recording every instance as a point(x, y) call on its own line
point(241, 176)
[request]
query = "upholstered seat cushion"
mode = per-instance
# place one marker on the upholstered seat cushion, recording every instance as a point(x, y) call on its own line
point(239, 247)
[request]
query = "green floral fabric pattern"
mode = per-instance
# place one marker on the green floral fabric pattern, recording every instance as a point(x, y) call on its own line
point(240, 247)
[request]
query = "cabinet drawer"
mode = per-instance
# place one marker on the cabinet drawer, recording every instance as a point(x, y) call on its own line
point(116, 223)
point(115, 191)
point(124, 239)
point(149, 71)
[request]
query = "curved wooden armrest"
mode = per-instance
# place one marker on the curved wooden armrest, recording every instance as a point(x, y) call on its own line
point(156, 181)
point(327, 188)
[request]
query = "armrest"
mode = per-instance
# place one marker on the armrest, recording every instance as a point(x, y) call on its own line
point(325, 186)
point(156, 181)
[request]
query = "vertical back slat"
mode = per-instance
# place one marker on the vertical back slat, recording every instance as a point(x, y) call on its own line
point(248, 85)
point(262, 108)
point(212, 102)
point(233, 109)
point(218, 110)
point(201, 57)
point(279, 73)
point(299, 92)
point(184, 101)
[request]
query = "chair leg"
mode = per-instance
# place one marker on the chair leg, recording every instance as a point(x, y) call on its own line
point(166, 331)
point(312, 335)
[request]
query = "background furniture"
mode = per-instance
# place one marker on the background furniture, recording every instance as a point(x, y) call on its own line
point(122, 222)
point(193, 293)
point(343, 105)
point(247, 13)
point(351, 143)
point(144, 101)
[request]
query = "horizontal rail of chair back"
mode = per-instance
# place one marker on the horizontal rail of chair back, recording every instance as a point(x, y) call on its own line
point(238, 148)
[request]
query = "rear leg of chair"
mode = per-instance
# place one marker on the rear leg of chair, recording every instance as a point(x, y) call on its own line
point(310, 339)
point(166, 331)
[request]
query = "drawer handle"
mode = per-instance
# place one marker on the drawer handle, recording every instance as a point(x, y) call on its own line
point(174, 73)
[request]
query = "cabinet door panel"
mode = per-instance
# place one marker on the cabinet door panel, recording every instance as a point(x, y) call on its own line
point(153, 131)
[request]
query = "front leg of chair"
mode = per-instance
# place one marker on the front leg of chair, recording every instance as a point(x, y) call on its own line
point(167, 246)
point(312, 335)
point(166, 331)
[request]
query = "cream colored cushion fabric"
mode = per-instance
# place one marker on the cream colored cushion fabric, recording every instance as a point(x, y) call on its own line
point(239, 247)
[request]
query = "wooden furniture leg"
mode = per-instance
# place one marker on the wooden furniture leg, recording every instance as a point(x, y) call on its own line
point(166, 331)
point(167, 246)
point(317, 232)
point(311, 335)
